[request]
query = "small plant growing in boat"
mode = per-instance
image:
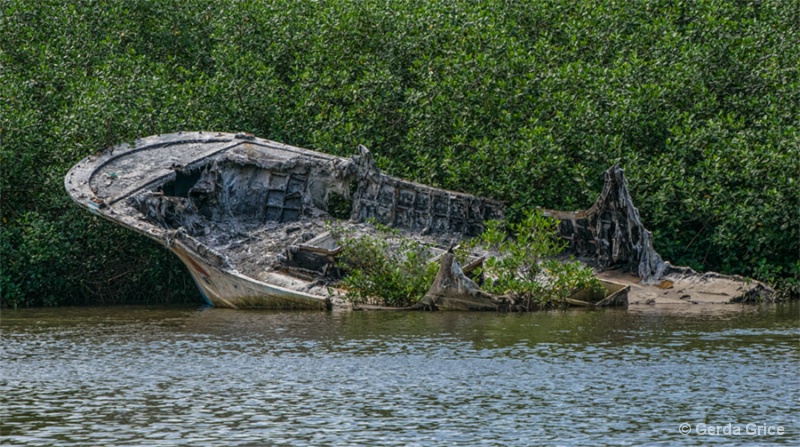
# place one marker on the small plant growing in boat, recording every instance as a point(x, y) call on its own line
point(526, 268)
point(387, 269)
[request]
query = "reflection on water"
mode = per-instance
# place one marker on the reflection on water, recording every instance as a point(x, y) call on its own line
point(145, 376)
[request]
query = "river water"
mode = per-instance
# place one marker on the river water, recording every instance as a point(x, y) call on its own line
point(135, 376)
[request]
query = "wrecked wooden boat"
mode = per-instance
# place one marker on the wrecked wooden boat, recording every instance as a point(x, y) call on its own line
point(250, 218)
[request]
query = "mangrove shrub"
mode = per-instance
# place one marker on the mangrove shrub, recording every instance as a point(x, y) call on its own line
point(387, 269)
point(527, 265)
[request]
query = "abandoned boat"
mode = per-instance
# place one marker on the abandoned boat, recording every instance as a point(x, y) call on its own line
point(250, 219)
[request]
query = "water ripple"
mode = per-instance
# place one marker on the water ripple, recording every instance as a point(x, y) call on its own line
point(185, 377)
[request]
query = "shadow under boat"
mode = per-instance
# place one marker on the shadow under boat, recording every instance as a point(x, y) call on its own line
point(250, 219)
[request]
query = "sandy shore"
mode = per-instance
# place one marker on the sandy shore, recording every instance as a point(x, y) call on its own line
point(685, 287)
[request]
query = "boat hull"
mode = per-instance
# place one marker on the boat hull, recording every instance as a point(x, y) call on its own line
point(226, 289)
point(221, 286)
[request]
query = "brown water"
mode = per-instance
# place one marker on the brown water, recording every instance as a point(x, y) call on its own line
point(155, 376)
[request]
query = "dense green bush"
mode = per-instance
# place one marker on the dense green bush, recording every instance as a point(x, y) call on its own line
point(386, 269)
point(526, 102)
point(526, 266)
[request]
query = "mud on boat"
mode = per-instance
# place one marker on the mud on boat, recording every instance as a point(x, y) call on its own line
point(250, 219)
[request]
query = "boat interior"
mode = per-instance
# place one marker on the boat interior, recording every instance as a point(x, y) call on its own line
point(266, 209)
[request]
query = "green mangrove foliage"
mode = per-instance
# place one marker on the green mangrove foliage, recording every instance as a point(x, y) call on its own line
point(393, 270)
point(527, 266)
point(388, 270)
point(527, 102)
